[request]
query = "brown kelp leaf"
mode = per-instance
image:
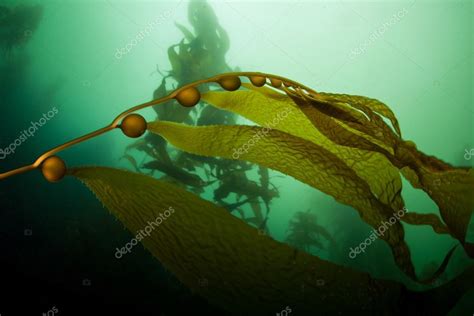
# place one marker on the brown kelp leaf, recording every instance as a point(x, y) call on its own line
point(451, 188)
point(373, 104)
point(304, 160)
point(270, 108)
point(366, 136)
point(338, 132)
point(375, 126)
point(453, 192)
point(222, 258)
point(357, 120)
point(426, 219)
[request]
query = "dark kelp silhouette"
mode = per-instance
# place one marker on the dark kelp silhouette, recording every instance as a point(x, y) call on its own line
point(201, 53)
point(305, 233)
point(18, 24)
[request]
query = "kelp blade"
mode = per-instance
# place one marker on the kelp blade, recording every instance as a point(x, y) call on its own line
point(246, 272)
point(451, 188)
point(304, 160)
point(264, 106)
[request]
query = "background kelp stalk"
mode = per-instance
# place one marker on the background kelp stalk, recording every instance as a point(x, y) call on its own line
point(420, 67)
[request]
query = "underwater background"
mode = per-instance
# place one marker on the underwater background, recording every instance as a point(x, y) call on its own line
point(59, 243)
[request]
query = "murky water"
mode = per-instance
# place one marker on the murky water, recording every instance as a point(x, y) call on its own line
point(86, 61)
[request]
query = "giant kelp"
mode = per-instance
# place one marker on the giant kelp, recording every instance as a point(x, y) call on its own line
point(352, 127)
point(200, 54)
point(451, 188)
point(304, 160)
point(301, 143)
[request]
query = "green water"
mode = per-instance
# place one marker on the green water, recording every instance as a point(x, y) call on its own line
point(416, 56)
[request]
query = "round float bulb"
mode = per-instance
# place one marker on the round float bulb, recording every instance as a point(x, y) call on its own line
point(133, 125)
point(53, 169)
point(189, 97)
point(275, 82)
point(230, 83)
point(258, 81)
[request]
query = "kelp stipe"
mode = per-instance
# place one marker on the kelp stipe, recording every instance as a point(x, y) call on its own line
point(187, 96)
